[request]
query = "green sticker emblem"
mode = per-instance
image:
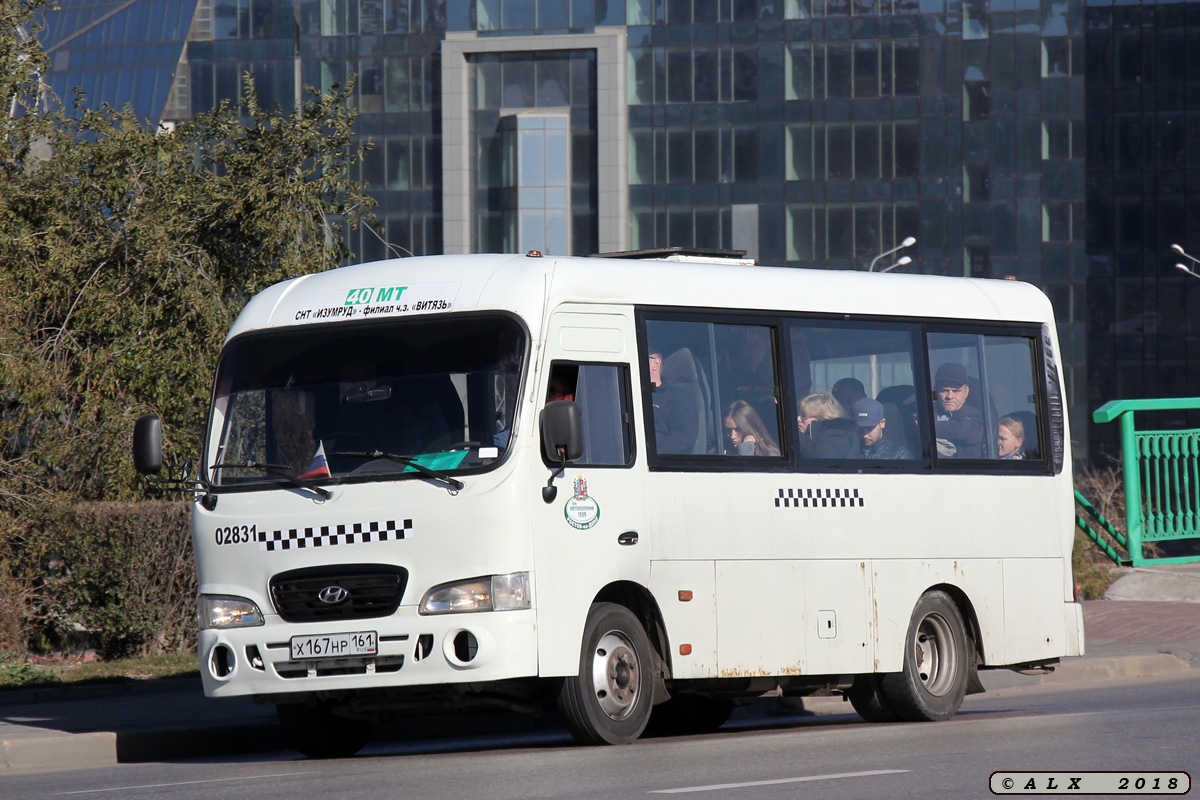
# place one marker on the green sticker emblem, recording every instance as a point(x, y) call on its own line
point(581, 511)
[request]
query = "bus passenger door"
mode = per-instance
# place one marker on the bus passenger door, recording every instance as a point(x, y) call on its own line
point(591, 535)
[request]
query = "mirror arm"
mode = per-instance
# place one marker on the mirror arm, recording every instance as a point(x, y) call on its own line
point(182, 483)
point(550, 491)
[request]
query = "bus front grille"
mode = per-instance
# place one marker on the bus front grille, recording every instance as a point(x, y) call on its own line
point(339, 592)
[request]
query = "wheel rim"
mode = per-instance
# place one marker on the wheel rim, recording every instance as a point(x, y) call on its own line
point(616, 674)
point(935, 656)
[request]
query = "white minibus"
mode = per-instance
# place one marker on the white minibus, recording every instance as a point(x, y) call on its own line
point(629, 489)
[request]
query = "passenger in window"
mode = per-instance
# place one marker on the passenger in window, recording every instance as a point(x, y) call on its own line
point(1010, 441)
point(959, 426)
point(677, 407)
point(849, 391)
point(825, 429)
point(750, 370)
point(747, 433)
point(877, 440)
point(750, 360)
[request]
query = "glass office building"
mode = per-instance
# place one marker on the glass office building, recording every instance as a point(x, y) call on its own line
point(1045, 140)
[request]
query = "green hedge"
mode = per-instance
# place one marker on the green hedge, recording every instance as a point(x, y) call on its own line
point(119, 575)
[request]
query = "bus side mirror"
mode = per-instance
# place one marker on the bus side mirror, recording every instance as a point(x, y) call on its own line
point(562, 440)
point(147, 445)
point(562, 432)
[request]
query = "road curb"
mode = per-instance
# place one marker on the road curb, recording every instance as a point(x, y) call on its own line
point(66, 751)
point(227, 740)
point(1090, 668)
point(1137, 666)
point(62, 752)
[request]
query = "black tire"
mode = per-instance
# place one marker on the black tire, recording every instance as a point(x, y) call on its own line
point(609, 701)
point(864, 696)
point(317, 732)
point(689, 713)
point(937, 657)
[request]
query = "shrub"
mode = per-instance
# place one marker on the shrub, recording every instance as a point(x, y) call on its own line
point(16, 672)
point(22, 567)
point(124, 573)
point(1092, 568)
point(1104, 487)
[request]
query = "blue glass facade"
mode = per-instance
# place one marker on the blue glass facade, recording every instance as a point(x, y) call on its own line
point(1041, 139)
point(118, 52)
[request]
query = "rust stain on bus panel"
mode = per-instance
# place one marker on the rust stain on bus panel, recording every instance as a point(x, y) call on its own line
point(793, 669)
point(745, 673)
point(875, 616)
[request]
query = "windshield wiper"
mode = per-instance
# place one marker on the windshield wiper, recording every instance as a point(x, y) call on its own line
point(408, 461)
point(278, 471)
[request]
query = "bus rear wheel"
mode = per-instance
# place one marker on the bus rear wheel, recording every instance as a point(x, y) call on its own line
point(609, 701)
point(936, 663)
point(864, 696)
point(317, 732)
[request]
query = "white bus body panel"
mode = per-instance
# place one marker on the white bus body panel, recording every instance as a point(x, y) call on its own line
point(575, 565)
point(448, 538)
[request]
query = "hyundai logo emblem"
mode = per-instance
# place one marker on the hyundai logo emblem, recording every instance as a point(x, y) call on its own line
point(333, 595)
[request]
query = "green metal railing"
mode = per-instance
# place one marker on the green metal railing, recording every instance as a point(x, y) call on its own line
point(1101, 542)
point(1162, 482)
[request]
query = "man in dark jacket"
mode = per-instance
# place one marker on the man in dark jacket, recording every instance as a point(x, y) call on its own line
point(877, 441)
point(959, 426)
point(676, 424)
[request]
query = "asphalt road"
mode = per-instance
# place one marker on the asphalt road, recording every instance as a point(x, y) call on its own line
point(1138, 725)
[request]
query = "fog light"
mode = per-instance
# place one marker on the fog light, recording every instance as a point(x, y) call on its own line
point(466, 646)
point(221, 662)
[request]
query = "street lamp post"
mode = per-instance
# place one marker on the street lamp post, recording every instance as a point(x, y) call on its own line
point(909, 242)
point(903, 260)
point(1184, 267)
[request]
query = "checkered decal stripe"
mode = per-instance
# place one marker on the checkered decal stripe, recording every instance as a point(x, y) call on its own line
point(818, 498)
point(332, 535)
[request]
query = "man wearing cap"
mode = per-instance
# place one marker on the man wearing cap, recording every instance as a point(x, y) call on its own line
point(959, 426)
point(876, 441)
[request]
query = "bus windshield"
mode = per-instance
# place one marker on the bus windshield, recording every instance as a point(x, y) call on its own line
point(361, 401)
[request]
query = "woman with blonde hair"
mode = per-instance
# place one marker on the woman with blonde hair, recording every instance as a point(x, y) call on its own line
point(747, 433)
point(826, 430)
point(1010, 440)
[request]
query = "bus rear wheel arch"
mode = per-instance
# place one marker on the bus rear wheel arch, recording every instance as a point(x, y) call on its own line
point(937, 659)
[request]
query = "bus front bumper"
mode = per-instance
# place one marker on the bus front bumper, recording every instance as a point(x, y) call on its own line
point(412, 651)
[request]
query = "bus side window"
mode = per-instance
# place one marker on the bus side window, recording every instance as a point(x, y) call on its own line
point(838, 365)
point(748, 390)
point(984, 400)
point(602, 394)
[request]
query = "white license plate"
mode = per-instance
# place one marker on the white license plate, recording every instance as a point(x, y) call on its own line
point(335, 645)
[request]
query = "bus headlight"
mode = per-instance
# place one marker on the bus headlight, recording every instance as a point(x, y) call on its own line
point(218, 611)
point(494, 593)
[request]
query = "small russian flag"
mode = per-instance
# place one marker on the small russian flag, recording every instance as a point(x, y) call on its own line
point(319, 468)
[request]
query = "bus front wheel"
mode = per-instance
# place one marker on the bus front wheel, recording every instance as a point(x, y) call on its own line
point(936, 659)
point(609, 701)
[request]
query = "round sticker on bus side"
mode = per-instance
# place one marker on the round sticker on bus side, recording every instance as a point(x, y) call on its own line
point(581, 511)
